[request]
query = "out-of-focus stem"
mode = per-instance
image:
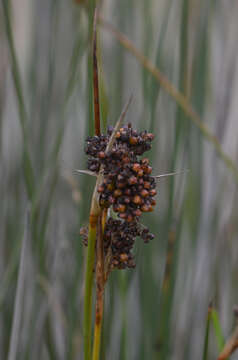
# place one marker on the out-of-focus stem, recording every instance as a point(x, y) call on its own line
point(206, 341)
point(27, 164)
point(95, 79)
point(91, 121)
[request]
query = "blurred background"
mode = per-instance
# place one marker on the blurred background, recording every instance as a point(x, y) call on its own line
point(159, 309)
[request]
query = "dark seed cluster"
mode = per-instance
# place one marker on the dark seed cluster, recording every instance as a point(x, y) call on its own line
point(128, 186)
point(120, 237)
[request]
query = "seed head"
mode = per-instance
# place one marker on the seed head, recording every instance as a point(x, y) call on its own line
point(127, 187)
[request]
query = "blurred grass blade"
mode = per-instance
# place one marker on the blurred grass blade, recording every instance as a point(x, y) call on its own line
point(154, 88)
point(118, 124)
point(10, 274)
point(207, 333)
point(96, 99)
point(18, 306)
point(78, 49)
point(27, 165)
point(218, 330)
point(167, 296)
point(103, 99)
point(179, 98)
point(90, 122)
point(77, 52)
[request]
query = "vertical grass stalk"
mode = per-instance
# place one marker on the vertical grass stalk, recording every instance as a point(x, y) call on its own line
point(94, 217)
point(100, 282)
point(89, 284)
point(92, 234)
point(27, 165)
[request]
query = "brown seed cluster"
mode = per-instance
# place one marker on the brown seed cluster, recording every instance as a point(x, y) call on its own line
point(120, 237)
point(128, 186)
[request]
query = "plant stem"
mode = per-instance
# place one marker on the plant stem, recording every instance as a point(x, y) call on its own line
point(97, 340)
point(100, 281)
point(95, 211)
point(97, 222)
point(218, 330)
point(95, 216)
point(206, 341)
point(88, 290)
point(92, 234)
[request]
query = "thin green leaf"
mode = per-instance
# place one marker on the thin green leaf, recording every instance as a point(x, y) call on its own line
point(18, 306)
point(207, 333)
point(218, 329)
point(27, 165)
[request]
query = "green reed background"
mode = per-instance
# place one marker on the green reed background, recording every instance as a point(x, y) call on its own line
point(159, 310)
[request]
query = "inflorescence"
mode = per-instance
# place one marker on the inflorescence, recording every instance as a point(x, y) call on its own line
point(127, 187)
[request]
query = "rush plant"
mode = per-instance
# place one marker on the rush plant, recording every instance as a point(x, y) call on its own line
point(124, 189)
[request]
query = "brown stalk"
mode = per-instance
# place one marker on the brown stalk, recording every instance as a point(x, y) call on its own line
point(104, 219)
point(230, 346)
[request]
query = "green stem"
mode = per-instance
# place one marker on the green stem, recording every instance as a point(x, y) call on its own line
point(88, 291)
point(90, 262)
point(97, 340)
point(218, 330)
point(206, 342)
point(95, 209)
point(100, 285)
